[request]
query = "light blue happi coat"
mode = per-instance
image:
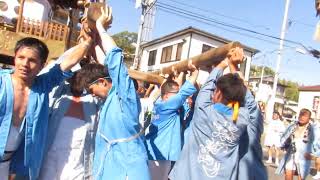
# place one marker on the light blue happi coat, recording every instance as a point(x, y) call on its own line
point(119, 118)
point(28, 158)
point(164, 137)
point(304, 165)
point(316, 143)
point(216, 146)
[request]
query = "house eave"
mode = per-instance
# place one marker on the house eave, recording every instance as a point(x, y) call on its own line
point(193, 30)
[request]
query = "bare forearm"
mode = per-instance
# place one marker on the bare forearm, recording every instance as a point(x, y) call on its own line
point(75, 56)
point(223, 64)
point(181, 78)
point(106, 41)
point(233, 67)
point(194, 76)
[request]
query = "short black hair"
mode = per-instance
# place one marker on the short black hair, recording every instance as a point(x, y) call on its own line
point(36, 44)
point(76, 84)
point(167, 87)
point(304, 111)
point(232, 88)
point(135, 83)
point(277, 113)
point(91, 72)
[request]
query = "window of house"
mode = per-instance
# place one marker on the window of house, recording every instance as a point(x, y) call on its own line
point(179, 51)
point(166, 54)
point(152, 58)
point(205, 48)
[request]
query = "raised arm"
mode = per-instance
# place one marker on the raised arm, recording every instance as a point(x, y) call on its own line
point(114, 58)
point(255, 127)
point(102, 24)
point(76, 55)
point(204, 96)
point(56, 72)
point(194, 73)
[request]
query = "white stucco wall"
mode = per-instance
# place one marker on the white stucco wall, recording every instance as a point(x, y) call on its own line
point(196, 44)
point(33, 9)
point(143, 66)
point(37, 10)
point(9, 13)
point(306, 100)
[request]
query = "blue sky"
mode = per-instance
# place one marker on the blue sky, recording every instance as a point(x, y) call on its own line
point(257, 15)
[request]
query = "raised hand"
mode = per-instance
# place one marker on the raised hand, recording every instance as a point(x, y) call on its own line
point(105, 19)
point(236, 55)
point(191, 66)
point(194, 72)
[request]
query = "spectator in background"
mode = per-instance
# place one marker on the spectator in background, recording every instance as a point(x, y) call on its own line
point(297, 140)
point(273, 133)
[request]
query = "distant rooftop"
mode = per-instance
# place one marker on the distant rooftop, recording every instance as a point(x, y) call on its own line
point(309, 88)
point(191, 29)
point(266, 79)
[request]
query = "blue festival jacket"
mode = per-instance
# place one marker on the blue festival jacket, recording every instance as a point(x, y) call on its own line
point(216, 145)
point(28, 158)
point(115, 159)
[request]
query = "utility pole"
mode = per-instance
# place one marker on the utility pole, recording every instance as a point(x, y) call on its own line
point(145, 27)
point(275, 81)
point(261, 78)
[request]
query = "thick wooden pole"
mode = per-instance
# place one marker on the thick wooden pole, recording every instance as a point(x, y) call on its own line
point(145, 76)
point(93, 13)
point(209, 58)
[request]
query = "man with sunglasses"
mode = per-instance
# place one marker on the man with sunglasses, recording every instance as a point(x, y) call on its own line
point(164, 137)
point(119, 153)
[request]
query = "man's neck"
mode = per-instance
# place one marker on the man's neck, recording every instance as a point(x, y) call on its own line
point(21, 83)
point(303, 125)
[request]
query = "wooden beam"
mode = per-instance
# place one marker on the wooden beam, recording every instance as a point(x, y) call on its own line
point(145, 76)
point(209, 58)
point(93, 13)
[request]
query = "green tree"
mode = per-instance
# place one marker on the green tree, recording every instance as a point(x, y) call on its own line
point(292, 90)
point(257, 71)
point(124, 40)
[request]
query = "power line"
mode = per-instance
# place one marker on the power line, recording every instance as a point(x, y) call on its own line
point(220, 14)
point(300, 22)
point(151, 6)
point(200, 17)
point(207, 23)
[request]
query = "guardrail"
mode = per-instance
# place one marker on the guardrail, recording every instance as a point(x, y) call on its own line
point(46, 30)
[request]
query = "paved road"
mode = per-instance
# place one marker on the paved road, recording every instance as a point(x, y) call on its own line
point(272, 168)
point(272, 176)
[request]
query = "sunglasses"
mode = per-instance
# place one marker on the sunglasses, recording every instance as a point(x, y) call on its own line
point(175, 92)
point(95, 81)
point(87, 90)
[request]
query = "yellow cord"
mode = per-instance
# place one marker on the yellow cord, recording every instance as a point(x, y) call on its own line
point(235, 106)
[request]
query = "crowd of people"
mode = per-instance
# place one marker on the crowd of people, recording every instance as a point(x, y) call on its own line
point(95, 122)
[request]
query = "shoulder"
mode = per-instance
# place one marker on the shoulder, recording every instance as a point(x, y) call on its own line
point(244, 112)
point(205, 112)
point(5, 74)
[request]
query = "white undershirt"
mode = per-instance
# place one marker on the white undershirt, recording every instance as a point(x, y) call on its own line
point(13, 141)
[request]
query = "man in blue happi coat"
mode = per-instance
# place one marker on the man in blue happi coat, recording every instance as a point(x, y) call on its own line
point(163, 139)
point(24, 105)
point(223, 141)
point(119, 153)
